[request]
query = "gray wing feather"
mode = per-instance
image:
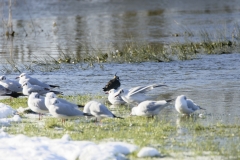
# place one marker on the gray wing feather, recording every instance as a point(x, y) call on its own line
point(100, 109)
point(41, 104)
point(67, 110)
point(192, 105)
point(144, 89)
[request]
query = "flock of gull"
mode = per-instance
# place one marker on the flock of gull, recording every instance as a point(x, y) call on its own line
point(43, 99)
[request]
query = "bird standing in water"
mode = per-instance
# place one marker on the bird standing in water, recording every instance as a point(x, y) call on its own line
point(112, 84)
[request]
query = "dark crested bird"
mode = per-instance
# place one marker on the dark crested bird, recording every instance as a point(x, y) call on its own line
point(112, 84)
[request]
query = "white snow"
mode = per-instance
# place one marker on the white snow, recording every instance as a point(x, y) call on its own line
point(23, 147)
point(6, 112)
point(148, 152)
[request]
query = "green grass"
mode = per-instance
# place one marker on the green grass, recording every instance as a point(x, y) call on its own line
point(213, 139)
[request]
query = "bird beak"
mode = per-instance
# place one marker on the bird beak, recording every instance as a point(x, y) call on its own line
point(106, 92)
point(17, 77)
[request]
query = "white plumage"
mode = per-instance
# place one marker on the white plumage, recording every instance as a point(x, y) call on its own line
point(185, 106)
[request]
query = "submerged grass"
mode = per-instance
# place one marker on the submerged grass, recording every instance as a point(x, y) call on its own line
point(187, 46)
point(170, 138)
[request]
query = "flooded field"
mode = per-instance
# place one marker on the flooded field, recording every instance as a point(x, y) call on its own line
point(44, 29)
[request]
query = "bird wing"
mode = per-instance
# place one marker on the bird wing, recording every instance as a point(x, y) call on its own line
point(67, 102)
point(144, 89)
point(67, 110)
point(40, 103)
point(99, 109)
point(153, 106)
point(35, 81)
point(3, 90)
point(13, 86)
point(191, 105)
point(35, 88)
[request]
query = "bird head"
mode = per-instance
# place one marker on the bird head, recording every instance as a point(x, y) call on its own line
point(51, 95)
point(133, 112)
point(2, 78)
point(54, 101)
point(21, 75)
point(35, 95)
point(115, 76)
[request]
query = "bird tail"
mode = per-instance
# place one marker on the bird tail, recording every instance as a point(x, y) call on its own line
point(117, 117)
point(54, 86)
point(87, 114)
point(80, 106)
point(201, 108)
point(169, 100)
point(159, 85)
point(57, 92)
point(14, 94)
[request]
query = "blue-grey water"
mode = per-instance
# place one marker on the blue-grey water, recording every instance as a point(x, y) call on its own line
point(42, 27)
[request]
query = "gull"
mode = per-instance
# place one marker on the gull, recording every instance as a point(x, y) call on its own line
point(149, 108)
point(136, 95)
point(28, 88)
point(6, 92)
point(112, 84)
point(186, 106)
point(64, 111)
point(25, 77)
point(11, 85)
point(36, 103)
point(52, 95)
point(113, 99)
point(98, 110)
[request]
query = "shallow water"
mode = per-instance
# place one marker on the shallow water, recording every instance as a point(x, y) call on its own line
point(43, 26)
point(211, 81)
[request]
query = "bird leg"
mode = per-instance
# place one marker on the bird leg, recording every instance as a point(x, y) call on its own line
point(63, 121)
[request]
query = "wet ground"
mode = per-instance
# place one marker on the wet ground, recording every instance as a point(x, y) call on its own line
point(212, 81)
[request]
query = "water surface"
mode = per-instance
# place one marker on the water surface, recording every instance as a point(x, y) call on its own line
point(41, 27)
